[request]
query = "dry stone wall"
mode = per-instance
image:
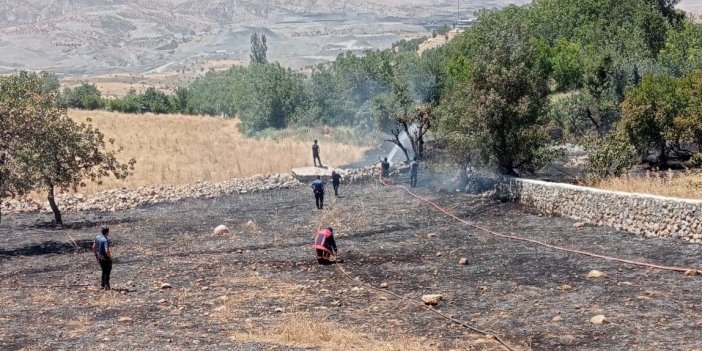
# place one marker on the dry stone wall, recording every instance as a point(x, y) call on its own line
point(121, 199)
point(641, 214)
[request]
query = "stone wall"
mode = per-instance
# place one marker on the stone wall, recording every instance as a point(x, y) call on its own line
point(641, 214)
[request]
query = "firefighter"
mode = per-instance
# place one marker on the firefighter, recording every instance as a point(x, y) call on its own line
point(325, 246)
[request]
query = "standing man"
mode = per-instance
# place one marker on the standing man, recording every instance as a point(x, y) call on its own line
point(336, 180)
point(103, 254)
point(318, 189)
point(315, 154)
point(385, 168)
point(414, 169)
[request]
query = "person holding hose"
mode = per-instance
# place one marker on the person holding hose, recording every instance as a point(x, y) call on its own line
point(325, 246)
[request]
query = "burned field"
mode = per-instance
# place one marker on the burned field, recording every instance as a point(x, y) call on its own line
point(260, 288)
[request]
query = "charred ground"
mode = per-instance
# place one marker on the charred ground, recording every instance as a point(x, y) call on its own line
point(259, 287)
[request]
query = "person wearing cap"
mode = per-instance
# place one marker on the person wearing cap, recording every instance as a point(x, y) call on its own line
point(103, 254)
point(325, 246)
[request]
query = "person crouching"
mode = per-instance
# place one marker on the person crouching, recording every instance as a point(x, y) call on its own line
point(325, 246)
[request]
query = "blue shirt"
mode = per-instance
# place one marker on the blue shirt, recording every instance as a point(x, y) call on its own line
point(101, 246)
point(318, 186)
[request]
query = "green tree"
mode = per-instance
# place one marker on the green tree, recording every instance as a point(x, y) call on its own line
point(567, 65)
point(508, 95)
point(259, 48)
point(650, 113)
point(55, 152)
point(155, 101)
point(85, 97)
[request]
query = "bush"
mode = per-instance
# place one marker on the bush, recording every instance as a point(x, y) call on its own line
point(610, 157)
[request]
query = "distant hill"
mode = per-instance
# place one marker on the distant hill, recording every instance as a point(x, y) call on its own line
point(102, 36)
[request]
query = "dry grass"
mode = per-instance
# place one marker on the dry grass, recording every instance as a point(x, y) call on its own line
point(673, 184)
point(177, 149)
point(305, 330)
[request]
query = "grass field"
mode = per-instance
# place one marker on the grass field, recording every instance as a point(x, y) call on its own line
point(683, 185)
point(177, 149)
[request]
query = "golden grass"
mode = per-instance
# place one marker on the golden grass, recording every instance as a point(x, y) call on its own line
point(682, 185)
point(305, 330)
point(177, 149)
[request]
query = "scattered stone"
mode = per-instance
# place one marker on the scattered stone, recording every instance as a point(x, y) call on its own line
point(161, 301)
point(557, 319)
point(566, 287)
point(463, 261)
point(599, 319)
point(221, 230)
point(432, 299)
point(579, 224)
point(642, 297)
point(124, 319)
point(278, 310)
point(439, 254)
point(384, 285)
point(166, 286)
point(596, 274)
point(431, 235)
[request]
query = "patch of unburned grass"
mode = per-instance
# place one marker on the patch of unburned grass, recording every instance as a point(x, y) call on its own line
point(305, 330)
point(673, 184)
point(178, 149)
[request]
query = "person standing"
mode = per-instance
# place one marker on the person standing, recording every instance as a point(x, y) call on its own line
point(336, 180)
point(318, 189)
point(414, 170)
point(103, 254)
point(315, 154)
point(385, 168)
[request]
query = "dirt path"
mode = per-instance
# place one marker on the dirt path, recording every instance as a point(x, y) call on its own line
point(259, 287)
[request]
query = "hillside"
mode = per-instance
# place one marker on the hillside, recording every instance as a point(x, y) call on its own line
point(93, 37)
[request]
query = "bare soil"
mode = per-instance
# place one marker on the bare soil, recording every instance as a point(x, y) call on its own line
point(259, 287)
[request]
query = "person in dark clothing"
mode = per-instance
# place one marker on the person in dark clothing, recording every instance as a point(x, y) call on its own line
point(414, 170)
point(318, 189)
point(325, 246)
point(315, 154)
point(336, 180)
point(385, 168)
point(103, 254)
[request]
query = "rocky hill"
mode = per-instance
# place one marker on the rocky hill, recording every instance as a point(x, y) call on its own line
point(103, 36)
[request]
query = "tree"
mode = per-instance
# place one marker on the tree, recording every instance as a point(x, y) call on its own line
point(650, 114)
point(85, 96)
point(415, 125)
point(19, 124)
point(508, 94)
point(55, 152)
point(258, 48)
point(567, 65)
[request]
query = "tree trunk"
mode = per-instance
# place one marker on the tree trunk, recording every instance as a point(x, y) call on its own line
point(663, 156)
point(54, 208)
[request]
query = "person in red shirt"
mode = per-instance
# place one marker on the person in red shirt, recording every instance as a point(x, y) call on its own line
point(325, 246)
